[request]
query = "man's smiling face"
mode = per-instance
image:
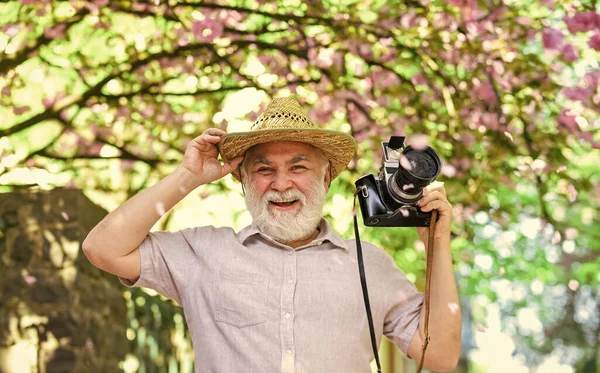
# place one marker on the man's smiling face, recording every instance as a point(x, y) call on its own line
point(286, 185)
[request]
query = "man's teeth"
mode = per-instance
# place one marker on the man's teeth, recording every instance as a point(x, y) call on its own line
point(284, 202)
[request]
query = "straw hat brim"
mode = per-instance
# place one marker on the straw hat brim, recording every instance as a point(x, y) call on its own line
point(337, 146)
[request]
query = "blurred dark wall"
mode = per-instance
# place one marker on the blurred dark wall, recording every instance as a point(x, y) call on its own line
point(57, 312)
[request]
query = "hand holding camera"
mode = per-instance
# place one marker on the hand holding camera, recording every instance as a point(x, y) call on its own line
point(391, 199)
point(434, 197)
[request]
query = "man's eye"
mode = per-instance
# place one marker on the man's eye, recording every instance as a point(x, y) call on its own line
point(298, 168)
point(263, 170)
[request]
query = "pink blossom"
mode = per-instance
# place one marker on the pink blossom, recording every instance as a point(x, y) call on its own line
point(570, 53)
point(568, 121)
point(11, 30)
point(594, 42)
point(127, 164)
point(450, 56)
point(409, 19)
point(418, 141)
point(357, 119)
point(123, 111)
point(583, 22)
point(94, 149)
point(553, 39)
point(365, 51)
point(548, 4)
point(215, 30)
point(490, 120)
point(322, 58)
point(92, 7)
point(418, 79)
point(592, 78)
point(56, 31)
point(140, 7)
point(383, 78)
point(6, 91)
point(233, 18)
point(50, 101)
point(485, 91)
point(30, 280)
point(523, 20)
point(358, 68)
point(147, 112)
point(384, 101)
point(18, 110)
point(577, 93)
point(322, 114)
point(586, 136)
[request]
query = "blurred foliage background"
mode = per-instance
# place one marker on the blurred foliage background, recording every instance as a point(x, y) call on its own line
point(104, 96)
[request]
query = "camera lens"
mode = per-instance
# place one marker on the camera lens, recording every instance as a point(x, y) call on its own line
point(418, 168)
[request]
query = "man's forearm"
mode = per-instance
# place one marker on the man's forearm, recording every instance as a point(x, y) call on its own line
point(124, 229)
point(445, 316)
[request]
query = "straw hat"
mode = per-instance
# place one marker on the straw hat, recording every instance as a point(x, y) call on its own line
point(285, 120)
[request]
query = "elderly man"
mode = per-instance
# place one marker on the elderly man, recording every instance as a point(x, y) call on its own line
point(282, 295)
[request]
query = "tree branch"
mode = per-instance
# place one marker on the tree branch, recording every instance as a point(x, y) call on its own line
point(6, 64)
point(129, 67)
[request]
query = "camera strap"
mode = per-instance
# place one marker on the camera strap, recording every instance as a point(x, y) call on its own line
point(363, 283)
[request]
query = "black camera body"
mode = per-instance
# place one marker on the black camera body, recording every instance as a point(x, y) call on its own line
point(390, 198)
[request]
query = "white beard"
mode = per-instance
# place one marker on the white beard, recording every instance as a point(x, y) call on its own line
point(287, 226)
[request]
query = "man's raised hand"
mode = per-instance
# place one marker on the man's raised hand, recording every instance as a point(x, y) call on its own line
point(201, 157)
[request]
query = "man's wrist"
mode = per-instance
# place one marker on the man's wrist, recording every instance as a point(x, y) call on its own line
point(186, 180)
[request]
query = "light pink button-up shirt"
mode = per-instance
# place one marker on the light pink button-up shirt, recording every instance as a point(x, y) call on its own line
point(255, 305)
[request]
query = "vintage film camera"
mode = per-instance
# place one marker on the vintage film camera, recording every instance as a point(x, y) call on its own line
point(389, 200)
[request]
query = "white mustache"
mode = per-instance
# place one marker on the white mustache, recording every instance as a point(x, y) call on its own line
point(287, 196)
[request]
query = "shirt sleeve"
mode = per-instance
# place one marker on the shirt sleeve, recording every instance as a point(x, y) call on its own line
point(166, 262)
point(404, 303)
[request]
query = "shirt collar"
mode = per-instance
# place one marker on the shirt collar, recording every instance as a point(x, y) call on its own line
point(326, 234)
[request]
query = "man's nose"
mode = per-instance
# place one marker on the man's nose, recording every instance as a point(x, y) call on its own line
point(281, 182)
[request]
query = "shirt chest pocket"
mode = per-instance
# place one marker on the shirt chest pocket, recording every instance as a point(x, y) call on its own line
point(240, 299)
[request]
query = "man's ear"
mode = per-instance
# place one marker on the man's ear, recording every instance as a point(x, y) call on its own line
point(241, 178)
point(328, 177)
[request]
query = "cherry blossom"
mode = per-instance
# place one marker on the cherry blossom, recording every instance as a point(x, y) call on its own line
point(594, 41)
point(570, 53)
point(568, 121)
point(583, 22)
point(553, 39)
point(56, 31)
point(577, 94)
point(207, 30)
point(485, 91)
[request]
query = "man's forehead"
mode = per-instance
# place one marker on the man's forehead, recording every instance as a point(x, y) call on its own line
point(282, 149)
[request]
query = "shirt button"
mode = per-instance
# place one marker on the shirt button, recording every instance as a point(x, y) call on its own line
point(290, 281)
point(287, 315)
point(289, 352)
